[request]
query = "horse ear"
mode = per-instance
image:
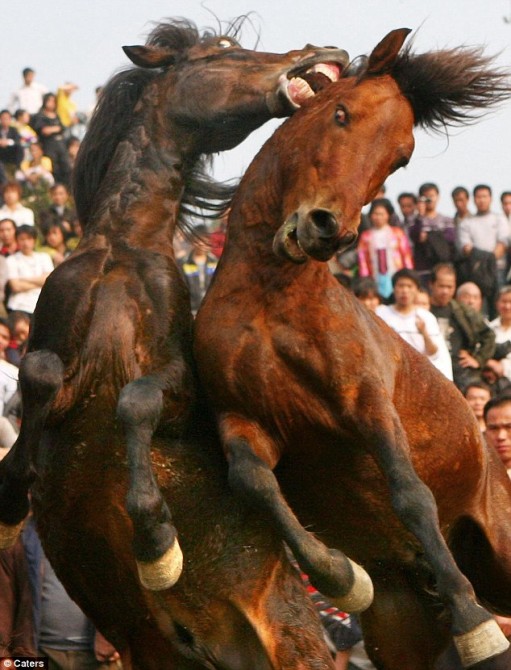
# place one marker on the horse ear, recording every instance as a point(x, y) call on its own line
point(151, 57)
point(385, 53)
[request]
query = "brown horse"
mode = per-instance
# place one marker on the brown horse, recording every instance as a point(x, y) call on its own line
point(372, 446)
point(238, 605)
point(112, 328)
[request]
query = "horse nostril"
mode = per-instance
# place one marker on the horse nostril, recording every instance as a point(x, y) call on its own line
point(324, 221)
point(183, 634)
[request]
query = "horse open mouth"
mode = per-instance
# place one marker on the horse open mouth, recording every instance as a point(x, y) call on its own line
point(305, 80)
point(286, 244)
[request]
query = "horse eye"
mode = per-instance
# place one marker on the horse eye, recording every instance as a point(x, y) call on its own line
point(341, 115)
point(224, 43)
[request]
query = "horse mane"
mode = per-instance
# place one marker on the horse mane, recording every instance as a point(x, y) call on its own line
point(450, 86)
point(113, 118)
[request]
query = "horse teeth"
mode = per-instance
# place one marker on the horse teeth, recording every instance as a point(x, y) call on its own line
point(299, 90)
point(330, 70)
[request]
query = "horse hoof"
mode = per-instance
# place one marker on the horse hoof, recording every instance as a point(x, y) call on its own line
point(485, 641)
point(164, 572)
point(9, 534)
point(361, 595)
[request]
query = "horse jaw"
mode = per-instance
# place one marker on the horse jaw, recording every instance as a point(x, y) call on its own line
point(285, 242)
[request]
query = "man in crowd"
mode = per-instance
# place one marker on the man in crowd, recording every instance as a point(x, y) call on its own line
point(470, 340)
point(460, 197)
point(415, 325)
point(470, 294)
point(27, 271)
point(408, 205)
point(30, 96)
point(485, 232)
point(432, 234)
point(505, 201)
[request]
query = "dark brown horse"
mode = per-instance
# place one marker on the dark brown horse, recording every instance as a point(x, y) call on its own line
point(238, 604)
point(112, 329)
point(372, 446)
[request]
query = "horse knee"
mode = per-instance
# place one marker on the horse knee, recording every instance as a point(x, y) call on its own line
point(249, 476)
point(414, 504)
point(41, 373)
point(140, 402)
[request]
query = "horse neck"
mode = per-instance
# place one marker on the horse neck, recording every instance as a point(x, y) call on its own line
point(140, 195)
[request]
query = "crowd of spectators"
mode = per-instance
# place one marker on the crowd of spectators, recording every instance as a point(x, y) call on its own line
point(443, 282)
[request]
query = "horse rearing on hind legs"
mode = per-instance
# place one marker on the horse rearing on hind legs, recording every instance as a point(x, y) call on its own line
point(372, 446)
point(113, 326)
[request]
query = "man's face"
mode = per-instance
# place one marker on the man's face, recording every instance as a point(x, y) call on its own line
point(405, 292)
point(431, 199)
point(506, 205)
point(461, 203)
point(407, 206)
point(7, 232)
point(5, 120)
point(498, 431)
point(29, 77)
point(504, 307)
point(482, 199)
point(26, 243)
point(472, 297)
point(59, 196)
point(442, 290)
point(477, 399)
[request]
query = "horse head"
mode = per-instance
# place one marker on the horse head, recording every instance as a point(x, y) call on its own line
point(223, 90)
point(352, 135)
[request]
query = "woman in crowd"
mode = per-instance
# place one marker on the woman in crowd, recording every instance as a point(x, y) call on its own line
point(383, 249)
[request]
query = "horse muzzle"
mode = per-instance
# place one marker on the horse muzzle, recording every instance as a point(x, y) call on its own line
point(316, 233)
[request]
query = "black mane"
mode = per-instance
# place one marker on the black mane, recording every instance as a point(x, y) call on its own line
point(450, 86)
point(113, 119)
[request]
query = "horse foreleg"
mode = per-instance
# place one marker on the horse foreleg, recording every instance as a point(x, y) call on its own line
point(251, 478)
point(41, 377)
point(157, 552)
point(476, 634)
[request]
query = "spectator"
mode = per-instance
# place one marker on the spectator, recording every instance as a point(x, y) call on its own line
point(477, 395)
point(505, 201)
point(8, 237)
point(66, 107)
point(408, 205)
point(366, 291)
point(416, 326)
point(27, 271)
point(198, 267)
point(50, 130)
point(383, 249)
point(55, 243)
point(36, 171)
point(60, 211)
point(12, 208)
point(432, 234)
point(460, 197)
point(19, 324)
point(485, 232)
point(27, 134)
point(500, 364)
point(470, 340)
point(11, 150)
point(423, 299)
point(470, 294)
point(30, 95)
point(73, 146)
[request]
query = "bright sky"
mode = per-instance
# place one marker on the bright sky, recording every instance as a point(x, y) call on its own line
point(67, 40)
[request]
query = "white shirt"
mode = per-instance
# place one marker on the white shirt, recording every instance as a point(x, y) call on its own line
point(29, 98)
point(20, 266)
point(405, 326)
point(20, 215)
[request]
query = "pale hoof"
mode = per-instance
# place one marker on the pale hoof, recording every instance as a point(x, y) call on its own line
point(9, 534)
point(361, 595)
point(485, 641)
point(164, 572)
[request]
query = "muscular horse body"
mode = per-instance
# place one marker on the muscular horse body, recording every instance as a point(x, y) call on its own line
point(373, 448)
